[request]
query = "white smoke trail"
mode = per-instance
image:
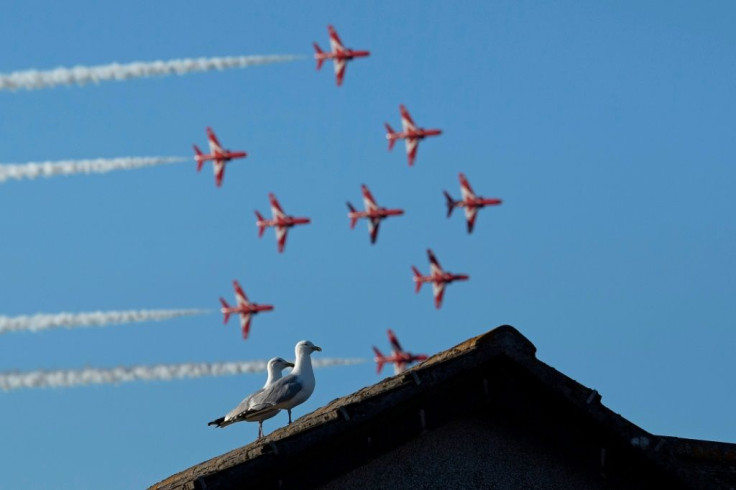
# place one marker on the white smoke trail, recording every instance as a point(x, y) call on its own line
point(33, 170)
point(159, 372)
point(44, 321)
point(81, 75)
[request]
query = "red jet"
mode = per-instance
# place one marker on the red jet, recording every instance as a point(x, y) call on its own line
point(373, 212)
point(281, 221)
point(399, 357)
point(470, 202)
point(218, 155)
point(437, 277)
point(411, 134)
point(244, 308)
point(340, 55)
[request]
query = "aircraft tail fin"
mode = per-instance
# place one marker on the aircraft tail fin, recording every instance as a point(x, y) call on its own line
point(389, 133)
point(225, 312)
point(198, 157)
point(261, 226)
point(318, 52)
point(353, 218)
point(450, 203)
point(417, 279)
point(379, 360)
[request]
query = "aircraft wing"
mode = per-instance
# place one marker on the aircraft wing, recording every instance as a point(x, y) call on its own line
point(373, 225)
point(394, 342)
point(218, 165)
point(245, 324)
point(438, 289)
point(335, 42)
point(340, 65)
point(406, 121)
point(240, 296)
point(470, 213)
point(434, 265)
point(411, 149)
point(281, 237)
point(215, 146)
point(465, 188)
point(368, 201)
point(276, 210)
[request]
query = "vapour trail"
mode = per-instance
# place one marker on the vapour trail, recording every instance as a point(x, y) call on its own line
point(82, 75)
point(159, 372)
point(34, 170)
point(43, 321)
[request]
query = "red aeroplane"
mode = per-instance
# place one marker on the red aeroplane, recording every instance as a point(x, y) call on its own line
point(411, 134)
point(373, 213)
point(469, 201)
point(244, 308)
point(399, 357)
point(340, 55)
point(437, 277)
point(281, 222)
point(218, 155)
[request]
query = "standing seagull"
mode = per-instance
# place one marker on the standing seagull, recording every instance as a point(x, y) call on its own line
point(289, 391)
point(275, 366)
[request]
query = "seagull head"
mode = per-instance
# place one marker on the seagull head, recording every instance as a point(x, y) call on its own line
point(279, 364)
point(306, 347)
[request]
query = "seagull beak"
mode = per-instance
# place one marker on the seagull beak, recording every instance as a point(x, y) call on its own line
point(289, 364)
point(316, 347)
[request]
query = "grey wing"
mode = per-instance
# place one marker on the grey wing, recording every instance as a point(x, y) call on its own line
point(279, 392)
point(242, 407)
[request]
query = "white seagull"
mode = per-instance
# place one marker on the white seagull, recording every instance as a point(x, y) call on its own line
point(237, 414)
point(289, 391)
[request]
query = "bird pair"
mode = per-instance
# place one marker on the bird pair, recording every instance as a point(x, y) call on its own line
point(279, 392)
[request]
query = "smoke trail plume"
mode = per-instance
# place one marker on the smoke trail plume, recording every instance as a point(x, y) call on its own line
point(159, 372)
point(44, 321)
point(82, 75)
point(33, 170)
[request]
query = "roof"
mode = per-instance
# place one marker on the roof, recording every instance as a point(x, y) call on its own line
point(498, 367)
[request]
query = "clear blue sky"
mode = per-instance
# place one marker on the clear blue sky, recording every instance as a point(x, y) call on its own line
point(608, 130)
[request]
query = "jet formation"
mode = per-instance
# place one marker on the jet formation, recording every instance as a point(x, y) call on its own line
point(374, 214)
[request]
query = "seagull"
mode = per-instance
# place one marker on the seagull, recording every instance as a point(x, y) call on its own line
point(275, 366)
point(289, 391)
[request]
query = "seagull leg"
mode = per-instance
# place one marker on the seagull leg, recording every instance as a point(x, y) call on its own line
point(260, 429)
point(289, 416)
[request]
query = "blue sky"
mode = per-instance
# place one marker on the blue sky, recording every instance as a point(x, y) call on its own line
point(606, 129)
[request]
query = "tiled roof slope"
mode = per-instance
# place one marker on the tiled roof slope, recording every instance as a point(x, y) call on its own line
point(498, 368)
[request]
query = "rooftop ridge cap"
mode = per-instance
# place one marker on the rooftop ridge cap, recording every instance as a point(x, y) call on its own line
point(504, 337)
